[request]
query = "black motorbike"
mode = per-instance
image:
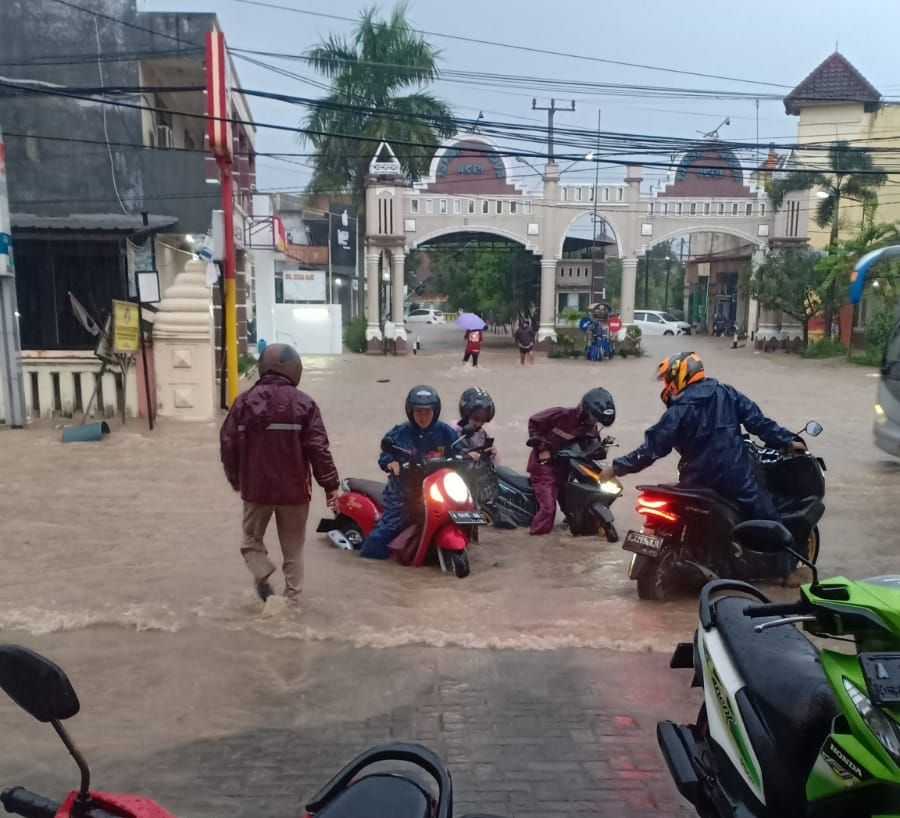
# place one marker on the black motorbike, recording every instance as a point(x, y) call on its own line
point(686, 540)
point(43, 690)
point(585, 499)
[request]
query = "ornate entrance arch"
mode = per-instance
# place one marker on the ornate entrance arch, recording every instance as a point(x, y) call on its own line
point(470, 189)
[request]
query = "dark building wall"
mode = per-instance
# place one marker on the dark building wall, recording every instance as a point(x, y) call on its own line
point(52, 178)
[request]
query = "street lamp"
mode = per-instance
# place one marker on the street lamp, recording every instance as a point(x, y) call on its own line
point(668, 259)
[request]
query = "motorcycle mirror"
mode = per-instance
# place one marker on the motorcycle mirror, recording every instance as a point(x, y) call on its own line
point(765, 536)
point(813, 428)
point(40, 687)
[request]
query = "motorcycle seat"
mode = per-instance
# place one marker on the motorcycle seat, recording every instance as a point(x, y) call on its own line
point(520, 481)
point(371, 488)
point(379, 796)
point(787, 704)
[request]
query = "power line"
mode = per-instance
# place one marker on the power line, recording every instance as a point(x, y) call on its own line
point(529, 49)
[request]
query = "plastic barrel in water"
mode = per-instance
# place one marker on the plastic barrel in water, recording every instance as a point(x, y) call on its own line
point(87, 433)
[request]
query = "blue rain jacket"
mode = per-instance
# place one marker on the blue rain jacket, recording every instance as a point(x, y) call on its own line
point(703, 425)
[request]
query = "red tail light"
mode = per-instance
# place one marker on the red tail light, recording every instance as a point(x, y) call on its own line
point(651, 506)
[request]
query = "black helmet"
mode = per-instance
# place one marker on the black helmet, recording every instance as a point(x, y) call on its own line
point(423, 397)
point(599, 404)
point(475, 399)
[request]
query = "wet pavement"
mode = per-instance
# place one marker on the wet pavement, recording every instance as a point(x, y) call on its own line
point(121, 562)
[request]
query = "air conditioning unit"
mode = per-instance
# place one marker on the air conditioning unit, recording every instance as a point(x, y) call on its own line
point(164, 138)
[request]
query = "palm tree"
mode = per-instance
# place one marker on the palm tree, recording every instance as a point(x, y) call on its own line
point(369, 75)
point(851, 174)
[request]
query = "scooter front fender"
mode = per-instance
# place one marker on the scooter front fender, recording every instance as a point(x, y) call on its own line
point(451, 538)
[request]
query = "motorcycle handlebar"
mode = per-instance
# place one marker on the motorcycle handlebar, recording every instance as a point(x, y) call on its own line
point(776, 609)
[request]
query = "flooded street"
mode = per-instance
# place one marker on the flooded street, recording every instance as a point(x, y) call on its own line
point(121, 562)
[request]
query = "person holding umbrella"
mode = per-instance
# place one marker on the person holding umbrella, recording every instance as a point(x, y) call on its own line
point(474, 327)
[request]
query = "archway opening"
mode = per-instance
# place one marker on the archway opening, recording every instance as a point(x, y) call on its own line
point(480, 272)
point(702, 277)
point(589, 270)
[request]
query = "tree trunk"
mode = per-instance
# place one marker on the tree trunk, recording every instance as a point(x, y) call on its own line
point(832, 288)
point(805, 333)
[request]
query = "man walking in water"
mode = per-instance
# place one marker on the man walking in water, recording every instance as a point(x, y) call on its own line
point(271, 440)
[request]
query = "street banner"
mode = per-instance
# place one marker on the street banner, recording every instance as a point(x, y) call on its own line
point(126, 327)
point(343, 240)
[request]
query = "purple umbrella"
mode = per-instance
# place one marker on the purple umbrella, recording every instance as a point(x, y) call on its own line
point(470, 321)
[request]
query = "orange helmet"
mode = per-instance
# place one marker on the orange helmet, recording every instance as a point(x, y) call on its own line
point(678, 372)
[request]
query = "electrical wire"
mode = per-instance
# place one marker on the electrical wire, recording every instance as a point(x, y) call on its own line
point(112, 162)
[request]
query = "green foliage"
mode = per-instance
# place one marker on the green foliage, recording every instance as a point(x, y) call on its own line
point(572, 314)
point(246, 362)
point(879, 328)
point(496, 284)
point(567, 345)
point(790, 281)
point(851, 174)
point(825, 348)
point(377, 79)
point(355, 335)
point(651, 295)
point(632, 343)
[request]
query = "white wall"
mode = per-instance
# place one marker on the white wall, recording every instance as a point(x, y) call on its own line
point(264, 264)
point(312, 329)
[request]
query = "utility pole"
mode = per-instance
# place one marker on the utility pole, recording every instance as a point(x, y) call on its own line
point(551, 113)
point(10, 348)
point(598, 271)
point(647, 280)
point(668, 271)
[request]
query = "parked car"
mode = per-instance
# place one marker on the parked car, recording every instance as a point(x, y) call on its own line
point(425, 315)
point(657, 322)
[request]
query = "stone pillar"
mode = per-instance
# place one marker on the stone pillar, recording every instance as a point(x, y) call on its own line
point(753, 307)
point(373, 287)
point(398, 264)
point(629, 282)
point(547, 328)
point(183, 348)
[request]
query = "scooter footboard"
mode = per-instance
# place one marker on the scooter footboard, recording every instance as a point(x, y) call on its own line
point(678, 748)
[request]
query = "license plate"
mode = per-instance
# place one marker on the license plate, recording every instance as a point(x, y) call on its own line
point(647, 545)
point(468, 518)
point(882, 672)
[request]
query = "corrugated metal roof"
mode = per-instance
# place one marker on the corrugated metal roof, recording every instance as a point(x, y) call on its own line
point(101, 222)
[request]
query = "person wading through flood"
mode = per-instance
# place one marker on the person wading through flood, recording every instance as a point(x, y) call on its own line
point(524, 338)
point(473, 345)
point(271, 440)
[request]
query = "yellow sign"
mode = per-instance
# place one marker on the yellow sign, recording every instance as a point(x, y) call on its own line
point(126, 327)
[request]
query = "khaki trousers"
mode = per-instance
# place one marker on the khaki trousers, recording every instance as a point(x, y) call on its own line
point(291, 524)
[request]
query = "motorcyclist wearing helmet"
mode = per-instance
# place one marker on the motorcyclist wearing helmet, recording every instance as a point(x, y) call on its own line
point(702, 422)
point(555, 429)
point(476, 410)
point(422, 437)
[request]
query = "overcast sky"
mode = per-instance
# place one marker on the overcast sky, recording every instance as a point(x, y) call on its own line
point(775, 41)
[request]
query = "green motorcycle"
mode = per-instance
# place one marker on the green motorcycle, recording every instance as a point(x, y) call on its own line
point(787, 728)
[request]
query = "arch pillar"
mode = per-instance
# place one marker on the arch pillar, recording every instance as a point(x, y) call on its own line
point(373, 286)
point(629, 284)
point(547, 327)
point(398, 270)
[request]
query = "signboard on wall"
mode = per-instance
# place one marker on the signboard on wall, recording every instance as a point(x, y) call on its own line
point(304, 285)
point(126, 327)
point(343, 240)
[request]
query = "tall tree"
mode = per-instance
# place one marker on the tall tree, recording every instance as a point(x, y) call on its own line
point(789, 280)
point(377, 92)
point(851, 174)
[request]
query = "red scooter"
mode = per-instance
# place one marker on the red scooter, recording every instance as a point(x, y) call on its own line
point(42, 689)
point(445, 513)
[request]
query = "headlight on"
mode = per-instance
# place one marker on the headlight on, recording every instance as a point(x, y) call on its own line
point(613, 487)
point(456, 488)
point(435, 493)
point(885, 728)
point(879, 413)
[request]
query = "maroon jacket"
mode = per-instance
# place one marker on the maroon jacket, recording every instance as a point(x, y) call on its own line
point(554, 429)
point(271, 437)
